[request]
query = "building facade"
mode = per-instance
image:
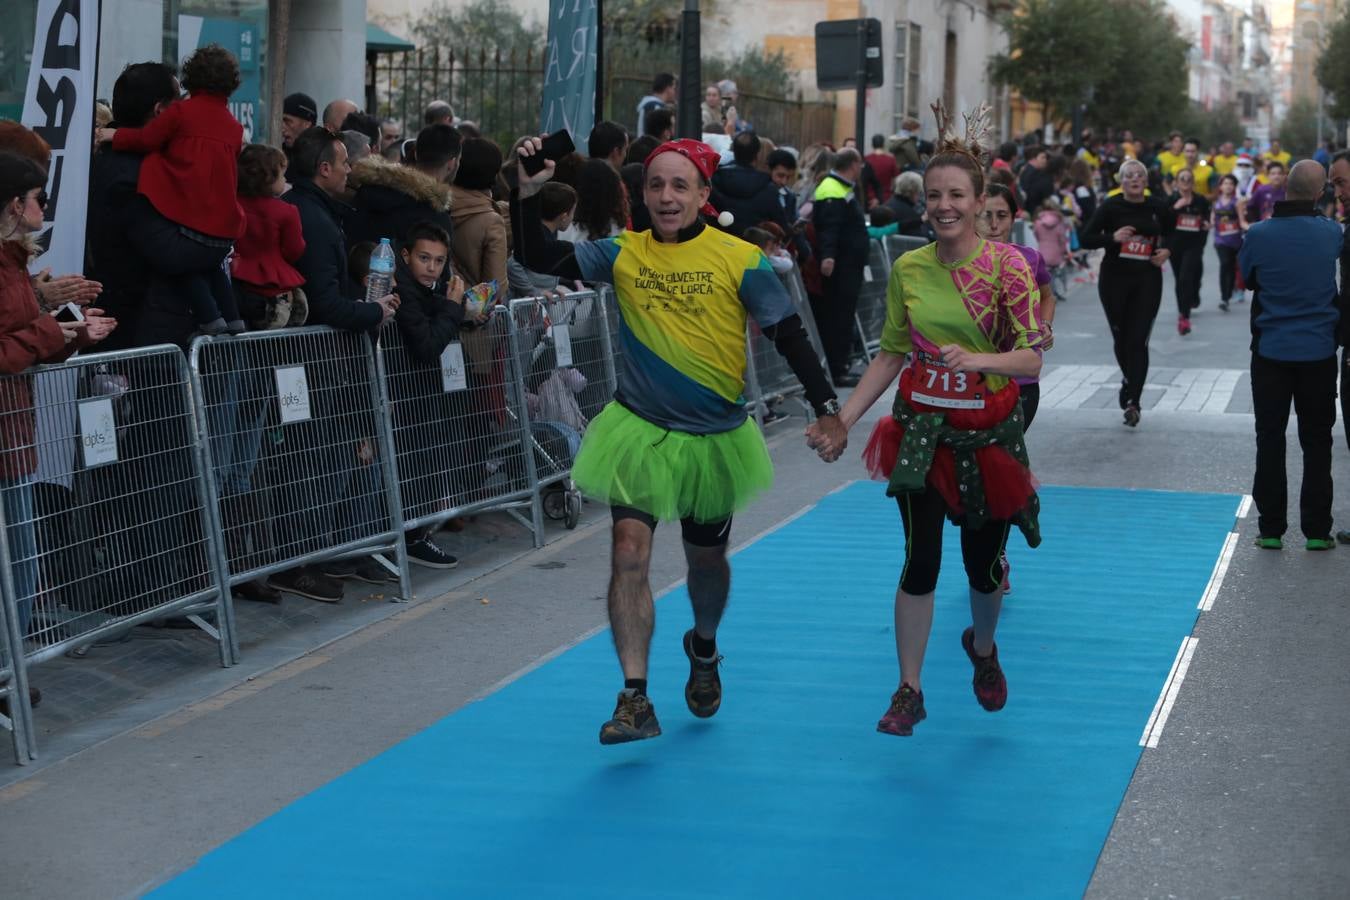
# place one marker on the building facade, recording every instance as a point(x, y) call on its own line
point(324, 51)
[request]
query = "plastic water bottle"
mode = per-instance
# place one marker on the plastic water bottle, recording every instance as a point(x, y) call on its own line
point(381, 280)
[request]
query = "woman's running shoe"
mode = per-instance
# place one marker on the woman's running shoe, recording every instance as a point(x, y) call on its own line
point(991, 688)
point(906, 711)
point(1183, 326)
point(1132, 414)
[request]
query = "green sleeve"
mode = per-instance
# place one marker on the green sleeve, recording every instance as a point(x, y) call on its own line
point(895, 337)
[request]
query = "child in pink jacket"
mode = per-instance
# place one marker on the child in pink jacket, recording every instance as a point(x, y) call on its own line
point(1052, 234)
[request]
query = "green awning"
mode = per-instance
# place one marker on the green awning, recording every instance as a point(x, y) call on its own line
point(380, 41)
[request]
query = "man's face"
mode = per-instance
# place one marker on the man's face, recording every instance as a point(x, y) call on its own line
point(782, 175)
point(1227, 148)
point(333, 176)
point(1192, 154)
point(713, 97)
point(1340, 180)
point(1275, 175)
point(1246, 143)
point(1128, 136)
point(426, 260)
point(1175, 145)
point(390, 134)
point(1040, 160)
point(291, 126)
point(669, 94)
point(1275, 147)
point(673, 193)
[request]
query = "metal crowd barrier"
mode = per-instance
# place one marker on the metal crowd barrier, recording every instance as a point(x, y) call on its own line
point(563, 349)
point(457, 427)
point(105, 510)
point(897, 245)
point(768, 377)
point(299, 451)
point(870, 315)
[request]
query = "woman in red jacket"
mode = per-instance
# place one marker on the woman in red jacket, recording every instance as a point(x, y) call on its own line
point(27, 337)
point(190, 177)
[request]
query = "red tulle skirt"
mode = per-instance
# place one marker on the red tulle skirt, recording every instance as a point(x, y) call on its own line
point(1008, 485)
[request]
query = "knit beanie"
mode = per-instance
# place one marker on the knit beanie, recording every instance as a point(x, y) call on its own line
point(479, 162)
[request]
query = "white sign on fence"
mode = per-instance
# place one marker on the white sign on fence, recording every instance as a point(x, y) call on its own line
point(292, 393)
point(98, 432)
point(562, 345)
point(453, 376)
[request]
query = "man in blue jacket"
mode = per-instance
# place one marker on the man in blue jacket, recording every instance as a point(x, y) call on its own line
point(1290, 261)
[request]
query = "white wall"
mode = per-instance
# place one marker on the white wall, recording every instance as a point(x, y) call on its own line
point(131, 31)
point(327, 54)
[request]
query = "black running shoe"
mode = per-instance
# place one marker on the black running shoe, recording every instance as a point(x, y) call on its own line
point(1132, 414)
point(703, 690)
point(991, 688)
point(634, 720)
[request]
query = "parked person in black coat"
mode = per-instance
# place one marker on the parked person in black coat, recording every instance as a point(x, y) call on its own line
point(391, 199)
point(141, 92)
point(749, 194)
point(842, 246)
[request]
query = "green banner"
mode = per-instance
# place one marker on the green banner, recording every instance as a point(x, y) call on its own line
point(569, 69)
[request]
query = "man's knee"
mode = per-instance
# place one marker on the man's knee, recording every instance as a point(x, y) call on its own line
point(632, 548)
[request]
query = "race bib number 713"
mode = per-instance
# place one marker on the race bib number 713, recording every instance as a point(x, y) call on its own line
point(937, 385)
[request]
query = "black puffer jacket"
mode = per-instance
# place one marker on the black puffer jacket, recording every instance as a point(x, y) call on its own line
point(748, 194)
point(390, 199)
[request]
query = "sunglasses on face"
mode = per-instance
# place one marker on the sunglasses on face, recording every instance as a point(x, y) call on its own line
point(41, 199)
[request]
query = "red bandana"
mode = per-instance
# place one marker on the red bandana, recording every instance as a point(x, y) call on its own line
point(704, 158)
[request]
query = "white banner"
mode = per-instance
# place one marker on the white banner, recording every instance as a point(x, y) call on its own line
point(59, 106)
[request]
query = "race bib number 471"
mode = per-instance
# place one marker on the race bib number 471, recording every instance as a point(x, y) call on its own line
point(1140, 248)
point(937, 385)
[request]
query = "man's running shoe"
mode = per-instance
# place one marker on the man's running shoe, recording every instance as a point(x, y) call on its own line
point(703, 690)
point(1343, 537)
point(634, 720)
point(1270, 543)
point(1223, 305)
point(1183, 326)
point(906, 711)
point(991, 688)
point(1132, 414)
point(1325, 543)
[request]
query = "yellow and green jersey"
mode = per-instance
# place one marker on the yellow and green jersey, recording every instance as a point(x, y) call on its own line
point(682, 319)
point(986, 303)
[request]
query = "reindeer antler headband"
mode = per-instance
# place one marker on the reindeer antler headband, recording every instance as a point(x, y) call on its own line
point(974, 143)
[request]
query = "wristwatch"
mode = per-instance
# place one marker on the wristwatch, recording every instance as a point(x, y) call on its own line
point(829, 408)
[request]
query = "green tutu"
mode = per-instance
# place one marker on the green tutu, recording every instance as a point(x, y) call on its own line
point(627, 461)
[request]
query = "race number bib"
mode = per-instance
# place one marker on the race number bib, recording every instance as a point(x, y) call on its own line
point(937, 385)
point(1228, 226)
point(1188, 222)
point(1137, 248)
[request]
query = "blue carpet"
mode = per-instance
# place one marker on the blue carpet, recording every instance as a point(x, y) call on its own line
point(789, 791)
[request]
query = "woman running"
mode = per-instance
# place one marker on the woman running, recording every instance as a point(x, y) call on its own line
point(1000, 209)
point(1188, 246)
point(1229, 221)
point(1130, 225)
point(965, 308)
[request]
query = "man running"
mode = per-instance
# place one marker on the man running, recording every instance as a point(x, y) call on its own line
point(676, 443)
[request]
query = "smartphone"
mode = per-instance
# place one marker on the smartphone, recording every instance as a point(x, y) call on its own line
point(70, 312)
point(556, 146)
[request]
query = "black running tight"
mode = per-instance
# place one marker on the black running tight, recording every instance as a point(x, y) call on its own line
point(1188, 268)
point(1228, 257)
point(924, 517)
point(1131, 294)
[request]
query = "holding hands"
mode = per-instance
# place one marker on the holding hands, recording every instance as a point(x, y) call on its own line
point(828, 437)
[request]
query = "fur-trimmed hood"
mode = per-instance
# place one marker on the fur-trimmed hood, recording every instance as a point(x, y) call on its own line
point(374, 171)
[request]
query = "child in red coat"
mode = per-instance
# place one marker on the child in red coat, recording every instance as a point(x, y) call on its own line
point(265, 281)
point(189, 175)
